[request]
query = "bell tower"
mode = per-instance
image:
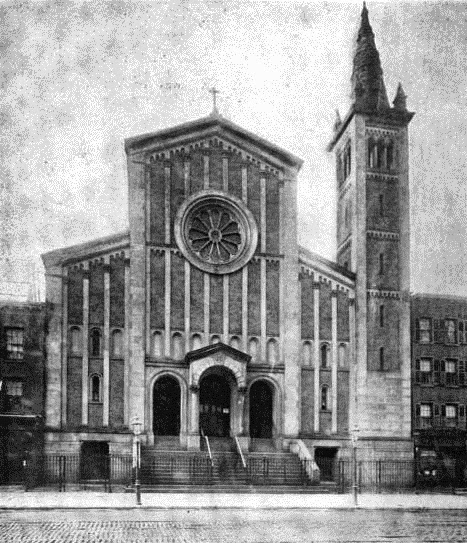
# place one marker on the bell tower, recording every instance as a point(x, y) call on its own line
point(373, 240)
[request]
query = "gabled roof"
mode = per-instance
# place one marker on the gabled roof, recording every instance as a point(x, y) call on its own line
point(212, 125)
point(213, 349)
point(89, 249)
point(328, 268)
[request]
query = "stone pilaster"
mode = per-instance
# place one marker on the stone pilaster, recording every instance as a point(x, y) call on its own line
point(292, 370)
point(245, 308)
point(193, 440)
point(53, 399)
point(126, 346)
point(225, 308)
point(316, 361)
point(106, 345)
point(168, 285)
point(64, 346)
point(85, 372)
point(334, 360)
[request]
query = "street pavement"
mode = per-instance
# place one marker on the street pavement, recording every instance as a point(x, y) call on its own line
point(234, 525)
point(121, 500)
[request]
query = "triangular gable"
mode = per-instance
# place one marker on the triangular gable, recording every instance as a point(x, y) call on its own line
point(208, 127)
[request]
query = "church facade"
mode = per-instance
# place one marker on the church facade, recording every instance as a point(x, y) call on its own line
point(207, 318)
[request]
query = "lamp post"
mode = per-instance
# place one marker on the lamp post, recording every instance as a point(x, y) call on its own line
point(137, 428)
point(354, 436)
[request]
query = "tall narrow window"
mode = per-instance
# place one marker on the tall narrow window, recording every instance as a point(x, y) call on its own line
point(423, 330)
point(95, 387)
point(381, 205)
point(95, 342)
point(15, 343)
point(271, 352)
point(389, 155)
point(450, 326)
point(117, 344)
point(324, 355)
point(381, 316)
point(196, 342)
point(324, 397)
point(235, 342)
point(381, 358)
point(157, 345)
point(306, 353)
point(253, 348)
point(381, 263)
point(177, 346)
point(75, 340)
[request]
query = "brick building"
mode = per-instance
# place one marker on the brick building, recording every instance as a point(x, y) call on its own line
point(206, 316)
point(22, 367)
point(439, 383)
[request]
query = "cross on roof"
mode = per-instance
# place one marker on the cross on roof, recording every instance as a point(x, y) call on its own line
point(214, 93)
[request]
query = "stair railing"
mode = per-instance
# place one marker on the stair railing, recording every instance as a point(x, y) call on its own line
point(240, 452)
point(206, 439)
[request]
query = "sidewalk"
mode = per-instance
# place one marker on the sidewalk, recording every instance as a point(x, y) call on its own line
point(119, 500)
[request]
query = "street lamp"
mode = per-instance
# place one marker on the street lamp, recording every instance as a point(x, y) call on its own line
point(354, 436)
point(137, 428)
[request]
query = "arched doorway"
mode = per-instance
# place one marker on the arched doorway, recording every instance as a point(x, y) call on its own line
point(261, 397)
point(214, 405)
point(166, 407)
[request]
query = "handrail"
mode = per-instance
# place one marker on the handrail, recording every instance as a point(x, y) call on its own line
point(208, 446)
point(240, 452)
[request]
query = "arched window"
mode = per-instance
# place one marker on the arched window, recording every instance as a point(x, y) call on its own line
point(324, 355)
point(347, 160)
point(342, 353)
point(381, 263)
point(272, 351)
point(381, 205)
point(235, 342)
point(177, 346)
point(381, 316)
point(389, 155)
point(76, 339)
point(95, 388)
point(380, 158)
point(157, 345)
point(325, 398)
point(306, 353)
point(117, 344)
point(196, 342)
point(95, 342)
point(215, 339)
point(372, 153)
point(253, 348)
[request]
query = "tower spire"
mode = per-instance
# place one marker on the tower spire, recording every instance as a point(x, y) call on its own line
point(368, 89)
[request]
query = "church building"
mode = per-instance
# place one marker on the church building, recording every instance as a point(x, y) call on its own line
point(206, 318)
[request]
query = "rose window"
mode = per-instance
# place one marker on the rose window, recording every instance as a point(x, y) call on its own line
point(215, 231)
point(214, 234)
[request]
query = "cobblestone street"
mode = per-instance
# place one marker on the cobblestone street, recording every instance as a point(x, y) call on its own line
point(141, 526)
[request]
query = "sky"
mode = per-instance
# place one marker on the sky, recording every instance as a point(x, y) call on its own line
point(77, 78)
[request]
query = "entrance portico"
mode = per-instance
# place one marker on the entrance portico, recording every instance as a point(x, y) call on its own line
point(217, 380)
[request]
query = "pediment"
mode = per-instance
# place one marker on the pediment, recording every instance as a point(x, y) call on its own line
point(218, 350)
point(202, 130)
point(221, 355)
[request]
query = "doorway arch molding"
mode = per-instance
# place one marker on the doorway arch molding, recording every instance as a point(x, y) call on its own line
point(149, 419)
point(219, 355)
point(276, 403)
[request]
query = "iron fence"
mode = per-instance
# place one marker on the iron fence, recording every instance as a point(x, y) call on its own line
point(376, 475)
point(60, 470)
point(64, 471)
